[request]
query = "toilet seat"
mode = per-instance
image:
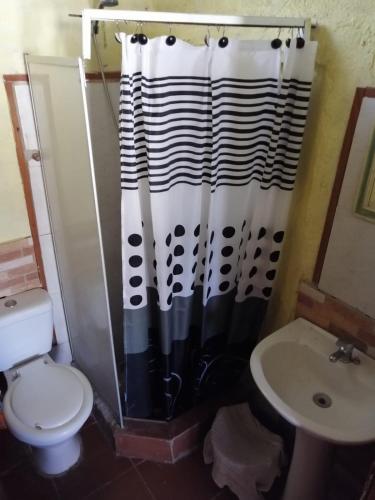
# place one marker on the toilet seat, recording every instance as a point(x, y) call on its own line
point(51, 394)
point(47, 402)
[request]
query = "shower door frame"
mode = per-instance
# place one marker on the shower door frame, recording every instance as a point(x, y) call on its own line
point(78, 63)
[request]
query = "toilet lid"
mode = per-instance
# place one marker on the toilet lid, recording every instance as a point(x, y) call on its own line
point(46, 395)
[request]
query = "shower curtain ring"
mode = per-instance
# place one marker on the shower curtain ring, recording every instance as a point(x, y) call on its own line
point(291, 31)
point(276, 43)
point(289, 39)
point(135, 37)
point(300, 40)
point(142, 38)
point(223, 42)
point(171, 39)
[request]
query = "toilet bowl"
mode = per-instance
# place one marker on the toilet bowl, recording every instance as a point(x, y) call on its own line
point(46, 403)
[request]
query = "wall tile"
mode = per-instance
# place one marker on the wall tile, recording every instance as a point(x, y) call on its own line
point(59, 320)
point(32, 276)
point(23, 270)
point(26, 115)
point(305, 300)
point(19, 272)
point(336, 317)
point(16, 263)
point(155, 449)
point(49, 263)
point(187, 441)
point(14, 245)
point(311, 292)
point(9, 255)
point(313, 314)
point(18, 269)
point(6, 282)
point(39, 198)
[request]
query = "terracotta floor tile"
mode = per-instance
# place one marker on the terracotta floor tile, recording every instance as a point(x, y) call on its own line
point(93, 471)
point(137, 461)
point(225, 494)
point(103, 476)
point(338, 491)
point(129, 486)
point(12, 452)
point(23, 483)
point(90, 421)
point(276, 491)
point(94, 441)
point(189, 479)
point(356, 459)
point(343, 485)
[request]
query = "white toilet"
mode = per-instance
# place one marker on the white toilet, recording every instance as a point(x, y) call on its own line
point(46, 403)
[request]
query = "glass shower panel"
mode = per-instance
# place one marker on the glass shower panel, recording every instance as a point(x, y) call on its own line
point(59, 100)
point(106, 152)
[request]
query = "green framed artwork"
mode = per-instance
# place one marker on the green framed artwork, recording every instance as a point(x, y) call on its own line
point(365, 204)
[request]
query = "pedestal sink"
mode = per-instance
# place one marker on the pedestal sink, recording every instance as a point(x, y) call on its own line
point(327, 402)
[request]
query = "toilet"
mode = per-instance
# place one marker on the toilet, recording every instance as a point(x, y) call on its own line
point(46, 403)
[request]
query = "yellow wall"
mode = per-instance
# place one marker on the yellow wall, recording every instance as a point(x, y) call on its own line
point(39, 27)
point(346, 60)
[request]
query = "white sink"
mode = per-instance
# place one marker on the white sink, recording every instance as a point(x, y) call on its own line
point(290, 367)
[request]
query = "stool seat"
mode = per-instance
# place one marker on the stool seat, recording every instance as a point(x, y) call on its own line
point(246, 456)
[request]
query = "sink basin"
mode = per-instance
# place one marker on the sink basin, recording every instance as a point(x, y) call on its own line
point(292, 365)
point(327, 402)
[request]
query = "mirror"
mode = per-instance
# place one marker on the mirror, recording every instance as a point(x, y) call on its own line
point(345, 266)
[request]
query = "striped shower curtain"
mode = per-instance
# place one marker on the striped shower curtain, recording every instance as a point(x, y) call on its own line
point(210, 139)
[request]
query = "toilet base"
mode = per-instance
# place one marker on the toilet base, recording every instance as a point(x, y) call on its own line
point(56, 459)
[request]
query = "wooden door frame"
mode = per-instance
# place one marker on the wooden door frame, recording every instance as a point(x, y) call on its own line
point(10, 82)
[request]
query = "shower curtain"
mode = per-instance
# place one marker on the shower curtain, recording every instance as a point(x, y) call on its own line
point(210, 139)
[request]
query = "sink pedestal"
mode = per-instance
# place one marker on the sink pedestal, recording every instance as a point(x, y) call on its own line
point(310, 468)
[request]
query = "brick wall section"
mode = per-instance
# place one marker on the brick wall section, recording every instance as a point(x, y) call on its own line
point(336, 317)
point(18, 269)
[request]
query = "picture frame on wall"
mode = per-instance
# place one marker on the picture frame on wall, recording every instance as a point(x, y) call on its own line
point(365, 203)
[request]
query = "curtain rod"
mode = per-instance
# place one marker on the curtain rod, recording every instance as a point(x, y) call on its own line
point(90, 15)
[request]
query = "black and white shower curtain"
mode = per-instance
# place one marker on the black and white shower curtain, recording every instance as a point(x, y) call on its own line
point(210, 139)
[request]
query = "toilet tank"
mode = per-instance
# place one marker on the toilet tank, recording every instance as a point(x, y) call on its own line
point(25, 327)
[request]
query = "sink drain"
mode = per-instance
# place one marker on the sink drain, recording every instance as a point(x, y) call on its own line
point(322, 400)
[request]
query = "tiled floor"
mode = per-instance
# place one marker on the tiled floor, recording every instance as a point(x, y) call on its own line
point(102, 475)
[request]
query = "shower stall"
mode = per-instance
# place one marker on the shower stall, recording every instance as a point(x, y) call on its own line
point(80, 152)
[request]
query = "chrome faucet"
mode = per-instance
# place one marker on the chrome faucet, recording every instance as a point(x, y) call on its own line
point(344, 353)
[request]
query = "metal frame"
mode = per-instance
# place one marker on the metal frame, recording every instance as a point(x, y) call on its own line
point(90, 15)
point(78, 63)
